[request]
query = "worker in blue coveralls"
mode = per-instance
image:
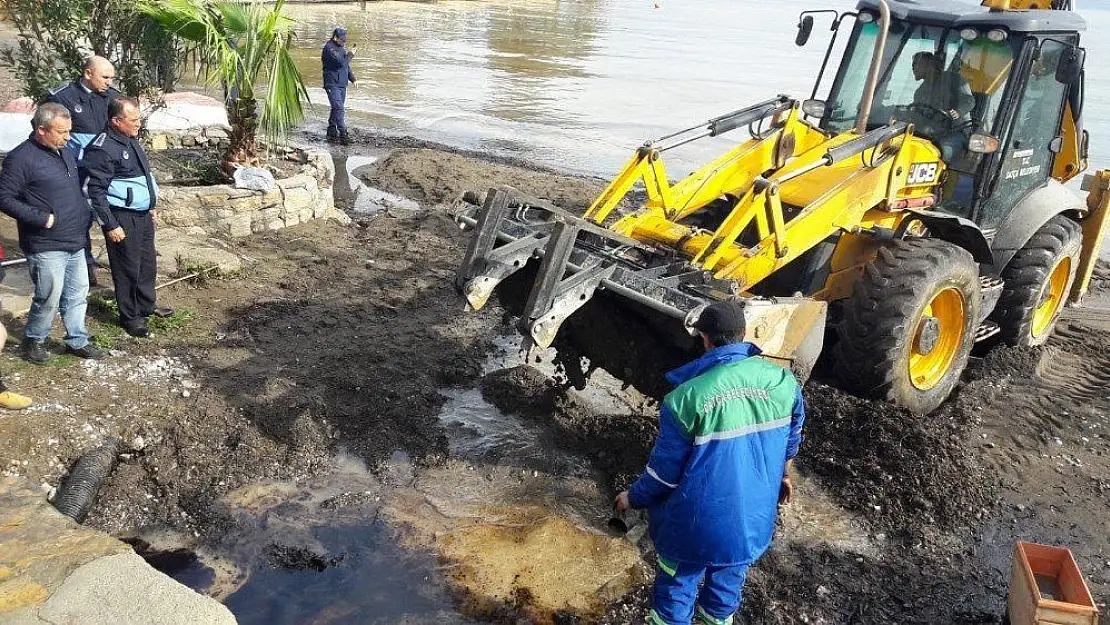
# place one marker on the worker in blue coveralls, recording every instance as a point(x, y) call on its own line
point(87, 100)
point(337, 73)
point(719, 469)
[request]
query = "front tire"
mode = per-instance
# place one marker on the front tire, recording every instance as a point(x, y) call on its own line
point(1037, 282)
point(909, 325)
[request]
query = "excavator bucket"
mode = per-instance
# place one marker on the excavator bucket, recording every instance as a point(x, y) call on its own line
point(626, 306)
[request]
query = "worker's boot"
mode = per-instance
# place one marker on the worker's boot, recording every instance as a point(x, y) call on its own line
point(35, 352)
point(344, 137)
point(333, 135)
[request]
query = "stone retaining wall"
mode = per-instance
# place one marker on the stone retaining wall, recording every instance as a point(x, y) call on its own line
point(199, 136)
point(225, 211)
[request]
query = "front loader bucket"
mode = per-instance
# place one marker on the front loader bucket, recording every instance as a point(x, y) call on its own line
point(623, 305)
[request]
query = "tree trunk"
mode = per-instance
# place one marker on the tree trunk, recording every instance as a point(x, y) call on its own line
point(242, 114)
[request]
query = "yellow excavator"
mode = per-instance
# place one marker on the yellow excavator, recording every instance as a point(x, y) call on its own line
point(917, 209)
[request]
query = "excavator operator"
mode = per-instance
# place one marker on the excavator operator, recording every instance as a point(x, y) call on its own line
point(942, 104)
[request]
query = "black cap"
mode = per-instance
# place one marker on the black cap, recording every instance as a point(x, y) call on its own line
point(722, 319)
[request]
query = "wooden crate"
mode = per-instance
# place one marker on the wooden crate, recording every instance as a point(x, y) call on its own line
point(1046, 588)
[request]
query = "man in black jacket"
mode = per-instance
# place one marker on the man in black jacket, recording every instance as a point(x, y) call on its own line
point(87, 100)
point(40, 187)
point(123, 194)
point(337, 73)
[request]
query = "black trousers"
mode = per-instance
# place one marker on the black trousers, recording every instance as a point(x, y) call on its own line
point(134, 266)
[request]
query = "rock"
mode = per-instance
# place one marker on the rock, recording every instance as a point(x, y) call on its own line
point(20, 105)
point(237, 226)
point(53, 570)
point(159, 142)
point(104, 592)
point(298, 198)
point(187, 249)
point(185, 111)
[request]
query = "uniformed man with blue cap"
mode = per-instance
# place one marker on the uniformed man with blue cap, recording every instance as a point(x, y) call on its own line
point(123, 193)
point(337, 73)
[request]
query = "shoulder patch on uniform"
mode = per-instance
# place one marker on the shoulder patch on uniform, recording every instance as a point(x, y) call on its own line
point(60, 88)
point(99, 140)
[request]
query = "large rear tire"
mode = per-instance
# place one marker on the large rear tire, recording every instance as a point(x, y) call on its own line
point(1037, 282)
point(909, 326)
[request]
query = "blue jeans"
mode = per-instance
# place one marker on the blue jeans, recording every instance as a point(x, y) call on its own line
point(61, 282)
point(676, 595)
point(337, 97)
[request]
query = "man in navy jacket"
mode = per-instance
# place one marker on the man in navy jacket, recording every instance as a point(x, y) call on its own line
point(123, 193)
point(87, 100)
point(40, 187)
point(337, 73)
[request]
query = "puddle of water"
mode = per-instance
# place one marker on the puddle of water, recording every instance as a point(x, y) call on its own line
point(480, 432)
point(505, 534)
point(377, 581)
point(365, 200)
point(812, 518)
point(312, 553)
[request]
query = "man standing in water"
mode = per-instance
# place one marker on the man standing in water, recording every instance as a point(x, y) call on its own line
point(727, 435)
point(337, 73)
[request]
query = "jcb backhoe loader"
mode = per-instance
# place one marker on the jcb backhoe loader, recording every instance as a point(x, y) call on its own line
point(917, 209)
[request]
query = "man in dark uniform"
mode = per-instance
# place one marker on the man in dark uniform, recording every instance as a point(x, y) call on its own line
point(337, 73)
point(87, 101)
point(123, 193)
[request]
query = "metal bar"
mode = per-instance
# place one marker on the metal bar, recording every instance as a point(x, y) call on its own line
point(609, 285)
point(15, 261)
point(729, 121)
point(828, 51)
point(568, 216)
point(555, 258)
point(873, 73)
point(804, 170)
point(489, 217)
point(570, 295)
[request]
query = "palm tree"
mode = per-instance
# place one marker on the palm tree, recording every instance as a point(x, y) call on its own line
point(238, 45)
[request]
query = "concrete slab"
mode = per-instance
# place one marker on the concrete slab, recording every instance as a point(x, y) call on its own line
point(125, 589)
point(54, 571)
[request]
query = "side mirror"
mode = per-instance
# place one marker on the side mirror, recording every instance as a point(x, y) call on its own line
point(814, 108)
point(1070, 66)
point(805, 27)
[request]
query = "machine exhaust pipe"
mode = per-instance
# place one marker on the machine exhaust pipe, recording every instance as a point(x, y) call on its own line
point(873, 73)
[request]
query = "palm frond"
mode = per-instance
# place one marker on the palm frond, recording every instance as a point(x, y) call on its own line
point(239, 44)
point(284, 106)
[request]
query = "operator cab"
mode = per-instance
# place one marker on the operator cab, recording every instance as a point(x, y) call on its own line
point(983, 86)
